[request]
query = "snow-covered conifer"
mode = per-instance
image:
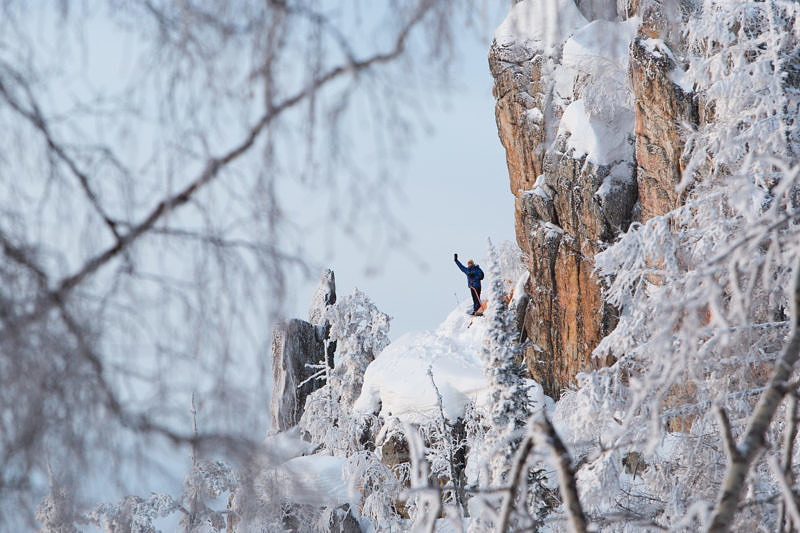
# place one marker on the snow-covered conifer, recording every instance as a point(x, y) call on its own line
point(509, 407)
point(502, 359)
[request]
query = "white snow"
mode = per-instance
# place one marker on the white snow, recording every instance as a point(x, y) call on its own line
point(540, 188)
point(285, 445)
point(315, 480)
point(600, 45)
point(546, 23)
point(534, 115)
point(601, 142)
point(398, 379)
point(621, 175)
point(658, 48)
point(682, 79)
point(564, 78)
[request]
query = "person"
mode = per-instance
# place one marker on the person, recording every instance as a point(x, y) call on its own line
point(474, 277)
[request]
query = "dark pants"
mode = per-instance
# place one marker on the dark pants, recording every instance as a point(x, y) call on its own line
point(476, 299)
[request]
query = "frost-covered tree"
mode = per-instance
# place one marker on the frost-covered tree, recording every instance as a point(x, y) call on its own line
point(502, 363)
point(378, 488)
point(132, 514)
point(445, 450)
point(509, 407)
point(148, 149)
point(360, 331)
point(704, 290)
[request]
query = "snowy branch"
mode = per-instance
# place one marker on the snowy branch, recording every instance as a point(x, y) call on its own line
point(518, 471)
point(790, 433)
point(727, 435)
point(755, 436)
point(788, 498)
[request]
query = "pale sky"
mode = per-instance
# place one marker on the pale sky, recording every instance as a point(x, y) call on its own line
point(456, 195)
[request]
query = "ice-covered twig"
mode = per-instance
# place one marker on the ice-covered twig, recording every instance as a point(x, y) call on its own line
point(322, 371)
point(755, 436)
point(566, 477)
point(786, 459)
point(515, 477)
point(455, 479)
point(788, 499)
point(429, 500)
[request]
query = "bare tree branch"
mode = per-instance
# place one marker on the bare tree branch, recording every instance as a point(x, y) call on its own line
point(429, 503)
point(566, 477)
point(790, 433)
point(787, 495)
point(727, 435)
point(214, 165)
point(37, 119)
point(515, 476)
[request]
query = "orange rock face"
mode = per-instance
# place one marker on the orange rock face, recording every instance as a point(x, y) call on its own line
point(661, 106)
point(520, 93)
point(568, 208)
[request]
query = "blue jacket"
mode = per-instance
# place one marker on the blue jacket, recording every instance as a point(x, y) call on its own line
point(474, 274)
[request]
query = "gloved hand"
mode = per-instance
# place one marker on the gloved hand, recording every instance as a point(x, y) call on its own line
point(455, 257)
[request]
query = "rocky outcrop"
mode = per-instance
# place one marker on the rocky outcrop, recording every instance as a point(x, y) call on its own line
point(561, 225)
point(324, 295)
point(297, 344)
point(521, 93)
point(571, 203)
point(662, 106)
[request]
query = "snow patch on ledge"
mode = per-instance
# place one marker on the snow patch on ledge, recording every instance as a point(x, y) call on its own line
point(600, 142)
point(547, 23)
point(601, 45)
point(398, 382)
point(682, 78)
point(540, 189)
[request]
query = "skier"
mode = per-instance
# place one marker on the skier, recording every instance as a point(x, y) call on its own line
point(474, 277)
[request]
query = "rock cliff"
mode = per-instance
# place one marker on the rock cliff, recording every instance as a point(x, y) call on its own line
point(296, 344)
point(590, 117)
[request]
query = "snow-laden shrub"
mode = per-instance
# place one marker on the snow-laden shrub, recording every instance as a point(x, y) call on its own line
point(378, 488)
point(360, 331)
point(132, 513)
point(205, 482)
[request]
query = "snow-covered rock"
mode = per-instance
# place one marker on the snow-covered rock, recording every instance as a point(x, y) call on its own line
point(397, 382)
point(566, 119)
point(540, 24)
point(324, 296)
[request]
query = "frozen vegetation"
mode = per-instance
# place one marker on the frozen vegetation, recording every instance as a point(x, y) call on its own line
point(690, 426)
